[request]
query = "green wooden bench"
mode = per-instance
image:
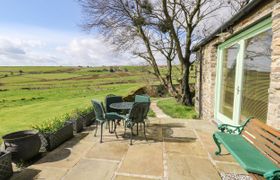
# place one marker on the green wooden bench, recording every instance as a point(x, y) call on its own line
point(254, 145)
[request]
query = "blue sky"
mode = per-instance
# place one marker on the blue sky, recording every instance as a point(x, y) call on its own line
point(47, 32)
point(62, 15)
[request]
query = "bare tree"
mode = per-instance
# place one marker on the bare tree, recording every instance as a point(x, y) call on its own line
point(155, 30)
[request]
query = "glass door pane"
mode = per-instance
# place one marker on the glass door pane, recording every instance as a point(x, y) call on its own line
point(228, 80)
point(256, 76)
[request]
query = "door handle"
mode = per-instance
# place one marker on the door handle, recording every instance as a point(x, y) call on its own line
point(238, 89)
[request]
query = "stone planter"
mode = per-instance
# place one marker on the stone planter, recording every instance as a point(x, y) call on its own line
point(23, 145)
point(57, 138)
point(88, 119)
point(77, 124)
point(6, 169)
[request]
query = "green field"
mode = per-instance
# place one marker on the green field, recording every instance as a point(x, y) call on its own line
point(30, 95)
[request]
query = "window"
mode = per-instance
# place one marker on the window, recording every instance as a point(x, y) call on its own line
point(243, 75)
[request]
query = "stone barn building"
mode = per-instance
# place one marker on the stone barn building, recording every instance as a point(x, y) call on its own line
point(238, 74)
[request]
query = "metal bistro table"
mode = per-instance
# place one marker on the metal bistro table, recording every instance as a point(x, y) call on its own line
point(125, 106)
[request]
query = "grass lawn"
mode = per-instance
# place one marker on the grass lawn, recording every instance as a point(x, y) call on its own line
point(30, 95)
point(176, 110)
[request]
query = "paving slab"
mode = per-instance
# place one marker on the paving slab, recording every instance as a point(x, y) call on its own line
point(153, 120)
point(180, 134)
point(65, 156)
point(154, 132)
point(120, 177)
point(191, 148)
point(39, 172)
point(92, 169)
point(143, 159)
point(174, 122)
point(211, 147)
point(108, 150)
point(176, 149)
point(203, 125)
point(192, 168)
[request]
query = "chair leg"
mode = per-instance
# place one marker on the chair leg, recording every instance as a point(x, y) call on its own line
point(145, 131)
point(124, 127)
point(96, 129)
point(131, 134)
point(101, 133)
point(110, 126)
point(115, 129)
point(137, 128)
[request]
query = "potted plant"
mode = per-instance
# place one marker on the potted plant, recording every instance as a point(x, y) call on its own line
point(87, 115)
point(76, 122)
point(23, 145)
point(6, 169)
point(55, 131)
point(90, 114)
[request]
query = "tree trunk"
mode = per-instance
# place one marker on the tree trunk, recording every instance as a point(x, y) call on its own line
point(186, 92)
point(170, 86)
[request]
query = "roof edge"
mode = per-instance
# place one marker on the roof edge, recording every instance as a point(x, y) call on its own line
point(243, 11)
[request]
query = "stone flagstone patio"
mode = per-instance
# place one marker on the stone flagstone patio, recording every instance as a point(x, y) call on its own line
point(176, 149)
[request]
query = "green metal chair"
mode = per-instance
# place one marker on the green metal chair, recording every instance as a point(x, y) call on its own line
point(143, 98)
point(102, 117)
point(137, 115)
point(108, 101)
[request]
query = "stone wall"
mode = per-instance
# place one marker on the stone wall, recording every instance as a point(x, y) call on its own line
point(209, 58)
point(273, 116)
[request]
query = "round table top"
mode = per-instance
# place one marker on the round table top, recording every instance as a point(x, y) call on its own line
point(122, 105)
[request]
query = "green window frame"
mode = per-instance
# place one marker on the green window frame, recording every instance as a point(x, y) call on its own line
point(240, 39)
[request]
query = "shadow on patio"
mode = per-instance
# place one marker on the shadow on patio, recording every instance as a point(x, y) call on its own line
point(176, 149)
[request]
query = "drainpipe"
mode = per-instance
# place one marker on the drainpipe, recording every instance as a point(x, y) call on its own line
point(199, 58)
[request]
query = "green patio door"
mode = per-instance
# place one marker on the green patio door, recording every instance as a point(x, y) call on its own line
point(243, 75)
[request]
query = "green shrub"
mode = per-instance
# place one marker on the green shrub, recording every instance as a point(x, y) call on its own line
point(51, 126)
point(84, 112)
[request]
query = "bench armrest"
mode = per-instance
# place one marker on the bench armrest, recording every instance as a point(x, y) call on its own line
point(272, 175)
point(231, 129)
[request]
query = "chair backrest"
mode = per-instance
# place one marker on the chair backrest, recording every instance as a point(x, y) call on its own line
point(98, 110)
point(112, 99)
point(142, 98)
point(138, 111)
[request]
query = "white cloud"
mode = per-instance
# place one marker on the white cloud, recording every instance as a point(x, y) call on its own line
point(92, 51)
point(37, 47)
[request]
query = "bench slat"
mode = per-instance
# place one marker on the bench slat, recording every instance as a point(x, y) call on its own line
point(262, 139)
point(259, 145)
point(266, 141)
point(273, 131)
point(257, 133)
point(268, 136)
point(257, 149)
